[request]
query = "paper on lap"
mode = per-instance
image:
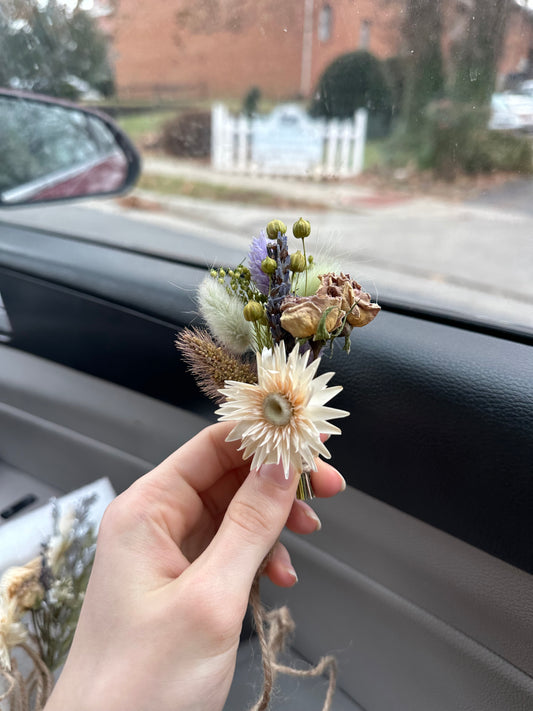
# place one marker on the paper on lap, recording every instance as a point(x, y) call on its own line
point(20, 540)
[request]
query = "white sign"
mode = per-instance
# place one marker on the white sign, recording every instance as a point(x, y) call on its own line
point(287, 141)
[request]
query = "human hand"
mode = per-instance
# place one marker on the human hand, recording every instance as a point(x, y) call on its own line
point(177, 553)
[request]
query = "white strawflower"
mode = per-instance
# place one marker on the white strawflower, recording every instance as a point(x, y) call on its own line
point(281, 418)
point(224, 316)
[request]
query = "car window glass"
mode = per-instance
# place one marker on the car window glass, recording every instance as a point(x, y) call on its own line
point(431, 207)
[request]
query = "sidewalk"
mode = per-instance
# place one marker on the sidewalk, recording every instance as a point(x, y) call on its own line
point(334, 194)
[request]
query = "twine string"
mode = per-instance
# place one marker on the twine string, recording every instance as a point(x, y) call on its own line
point(40, 680)
point(12, 692)
point(273, 630)
point(30, 693)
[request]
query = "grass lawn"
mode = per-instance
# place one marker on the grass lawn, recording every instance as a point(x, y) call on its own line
point(169, 185)
point(139, 125)
point(375, 153)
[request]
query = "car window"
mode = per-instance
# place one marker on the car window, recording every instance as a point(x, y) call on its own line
point(400, 128)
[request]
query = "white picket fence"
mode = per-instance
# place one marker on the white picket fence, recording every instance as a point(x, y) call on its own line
point(287, 142)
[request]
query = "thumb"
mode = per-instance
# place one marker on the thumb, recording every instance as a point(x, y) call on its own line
point(252, 524)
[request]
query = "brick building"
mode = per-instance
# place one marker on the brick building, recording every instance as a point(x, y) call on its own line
point(221, 48)
point(227, 46)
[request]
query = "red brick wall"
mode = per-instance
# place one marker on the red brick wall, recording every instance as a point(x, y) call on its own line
point(227, 46)
point(157, 42)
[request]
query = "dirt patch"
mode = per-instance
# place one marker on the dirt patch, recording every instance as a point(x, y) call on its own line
point(134, 202)
point(413, 184)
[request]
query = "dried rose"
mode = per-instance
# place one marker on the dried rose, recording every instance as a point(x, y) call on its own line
point(301, 315)
point(354, 301)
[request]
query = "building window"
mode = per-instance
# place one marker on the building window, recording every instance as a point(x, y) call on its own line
point(364, 34)
point(325, 22)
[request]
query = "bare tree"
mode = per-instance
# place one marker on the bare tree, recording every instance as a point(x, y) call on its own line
point(422, 40)
point(478, 51)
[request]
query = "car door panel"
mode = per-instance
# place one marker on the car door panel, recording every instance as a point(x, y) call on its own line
point(67, 428)
point(393, 654)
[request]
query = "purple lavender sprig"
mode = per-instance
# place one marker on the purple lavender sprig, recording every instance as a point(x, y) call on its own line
point(279, 289)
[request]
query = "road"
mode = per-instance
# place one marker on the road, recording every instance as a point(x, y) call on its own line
point(514, 196)
point(474, 259)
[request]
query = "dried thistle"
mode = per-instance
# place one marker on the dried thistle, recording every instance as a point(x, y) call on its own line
point(212, 364)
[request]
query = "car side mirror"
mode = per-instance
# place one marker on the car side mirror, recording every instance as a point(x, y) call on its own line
point(53, 150)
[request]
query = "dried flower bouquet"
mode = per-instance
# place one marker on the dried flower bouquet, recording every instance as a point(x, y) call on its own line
point(267, 324)
point(284, 307)
point(40, 604)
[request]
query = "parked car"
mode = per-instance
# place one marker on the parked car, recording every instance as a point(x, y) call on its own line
point(526, 87)
point(511, 112)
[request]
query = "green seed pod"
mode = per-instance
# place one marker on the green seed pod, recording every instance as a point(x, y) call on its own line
point(310, 259)
point(222, 273)
point(269, 265)
point(297, 262)
point(214, 273)
point(253, 311)
point(301, 228)
point(275, 226)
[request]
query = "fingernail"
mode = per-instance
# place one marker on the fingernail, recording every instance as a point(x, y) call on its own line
point(343, 481)
point(275, 473)
point(292, 573)
point(312, 515)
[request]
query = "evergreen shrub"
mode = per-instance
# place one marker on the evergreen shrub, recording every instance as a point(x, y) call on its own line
point(352, 81)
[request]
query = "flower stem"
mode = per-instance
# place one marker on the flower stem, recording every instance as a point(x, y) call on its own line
point(305, 492)
point(306, 265)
